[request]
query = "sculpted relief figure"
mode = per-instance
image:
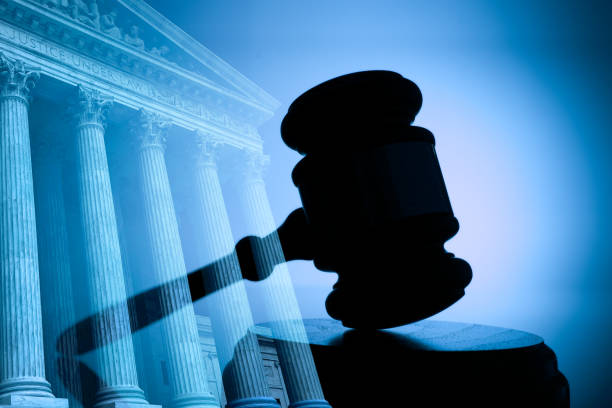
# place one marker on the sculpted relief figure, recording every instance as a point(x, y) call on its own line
point(55, 3)
point(133, 37)
point(94, 14)
point(85, 13)
point(109, 25)
point(78, 7)
point(160, 52)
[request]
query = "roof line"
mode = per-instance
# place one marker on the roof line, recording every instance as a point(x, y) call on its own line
point(200, 52)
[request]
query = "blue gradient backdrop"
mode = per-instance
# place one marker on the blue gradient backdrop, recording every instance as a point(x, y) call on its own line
point(517, 94)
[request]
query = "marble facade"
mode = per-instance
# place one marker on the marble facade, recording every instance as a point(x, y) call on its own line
point(118, 134)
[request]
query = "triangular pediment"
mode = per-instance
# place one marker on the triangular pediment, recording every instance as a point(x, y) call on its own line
point(152, 43)
point(196, 56)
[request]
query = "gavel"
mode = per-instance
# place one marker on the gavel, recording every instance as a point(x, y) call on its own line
point(375, 211)
point(375, 207)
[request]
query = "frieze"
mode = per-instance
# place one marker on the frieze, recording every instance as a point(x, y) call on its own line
point(89, 13)
point(38, 45)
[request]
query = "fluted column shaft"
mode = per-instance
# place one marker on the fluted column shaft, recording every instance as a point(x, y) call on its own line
point(295, 357)
point(237, 346)
point(56, 278)
point(128, 278)
point(116, 366)
point(22, 370)
point(188, 379)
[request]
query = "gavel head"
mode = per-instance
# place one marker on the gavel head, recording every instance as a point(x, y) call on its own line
point(375, 200)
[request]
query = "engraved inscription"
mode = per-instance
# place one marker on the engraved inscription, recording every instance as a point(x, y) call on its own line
point(53, 51)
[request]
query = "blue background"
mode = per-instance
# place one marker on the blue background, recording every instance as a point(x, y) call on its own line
point(518, 96)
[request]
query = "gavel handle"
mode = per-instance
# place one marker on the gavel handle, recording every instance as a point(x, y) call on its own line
point(291, 241)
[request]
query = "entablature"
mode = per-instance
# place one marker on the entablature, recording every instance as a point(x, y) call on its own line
point(75, 53)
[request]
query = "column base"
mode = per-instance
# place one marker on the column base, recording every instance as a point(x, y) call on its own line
point(310, 404)
point(25, 387)
point(27, 401)
point(121, 404)
point(258, 402)
point(199, 400)
point(122, 397)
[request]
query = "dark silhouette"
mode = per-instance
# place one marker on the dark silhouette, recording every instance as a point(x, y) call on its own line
point(376, 212)
point(146, 306)
point(375, 200)
point(435, 364)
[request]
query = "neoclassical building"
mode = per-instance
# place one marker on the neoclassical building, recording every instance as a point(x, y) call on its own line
point(125, 147)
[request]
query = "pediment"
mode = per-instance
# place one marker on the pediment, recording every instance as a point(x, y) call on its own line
point(132, 36)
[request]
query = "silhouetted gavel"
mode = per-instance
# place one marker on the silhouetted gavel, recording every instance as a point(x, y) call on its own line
point(375, 207)
point(375, 211)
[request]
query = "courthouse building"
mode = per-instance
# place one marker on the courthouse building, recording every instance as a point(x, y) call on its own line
point(124, 144)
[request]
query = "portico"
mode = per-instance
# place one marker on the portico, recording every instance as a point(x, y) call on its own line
point(88, 105)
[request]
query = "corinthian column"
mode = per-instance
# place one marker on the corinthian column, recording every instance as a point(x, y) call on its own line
point(188, 380)
point(230, 315)
point(56, 274)
point(111, 335)
point(22, 367)
point(296, 361)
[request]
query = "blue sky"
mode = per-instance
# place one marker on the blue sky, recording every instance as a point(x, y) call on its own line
point(517, 95)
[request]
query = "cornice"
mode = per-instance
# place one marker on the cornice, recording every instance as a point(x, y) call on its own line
point(56, 27)
point(200, 52)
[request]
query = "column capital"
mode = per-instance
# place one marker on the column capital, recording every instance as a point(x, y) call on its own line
point(91, 107)
point(16, 79)
point(254, 165)
point(208, 145)
point(150, 129)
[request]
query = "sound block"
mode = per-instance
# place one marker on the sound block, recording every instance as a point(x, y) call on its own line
point(434, 364)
